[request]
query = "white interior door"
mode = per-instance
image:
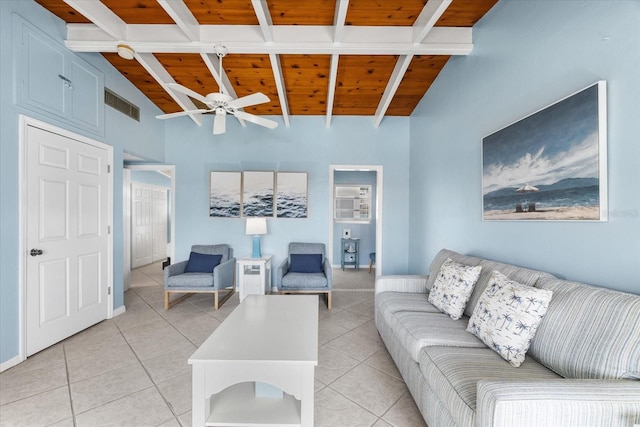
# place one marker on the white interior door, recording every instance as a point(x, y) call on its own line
point(67, 239)
point(141, 225)
point(160, 217)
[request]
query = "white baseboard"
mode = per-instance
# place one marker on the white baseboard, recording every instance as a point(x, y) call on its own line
point(118, 311)
point(11, 363)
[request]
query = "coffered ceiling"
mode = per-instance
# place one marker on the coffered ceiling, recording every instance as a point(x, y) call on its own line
point(310, 57)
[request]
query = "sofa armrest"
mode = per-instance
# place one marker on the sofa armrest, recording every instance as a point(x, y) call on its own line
point(224, 273)
point(411, 283)
point(282, 269)
point(174, 269)
point(566, 402)
point(328, 273)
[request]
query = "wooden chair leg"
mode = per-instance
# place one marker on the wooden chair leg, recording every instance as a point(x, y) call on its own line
point(224, 299)
point(215, 300)
point(329, 300)
point(168, 304)
point(370, 265)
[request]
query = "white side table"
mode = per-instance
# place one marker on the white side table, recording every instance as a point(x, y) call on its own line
point(254, 275)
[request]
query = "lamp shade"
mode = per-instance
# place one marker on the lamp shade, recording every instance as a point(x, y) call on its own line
point(256, 226)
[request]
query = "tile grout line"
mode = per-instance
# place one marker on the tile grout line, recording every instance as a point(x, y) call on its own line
point(66, 368)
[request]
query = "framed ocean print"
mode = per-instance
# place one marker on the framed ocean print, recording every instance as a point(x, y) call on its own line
point(550, 165)
point(257, 193)
point(291, 195)
point(224, 194)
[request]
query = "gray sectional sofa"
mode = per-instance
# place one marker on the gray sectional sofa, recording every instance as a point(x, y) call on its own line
point(582, 368)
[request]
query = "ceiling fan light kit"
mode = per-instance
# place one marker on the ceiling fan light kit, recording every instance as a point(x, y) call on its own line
point(221, 104)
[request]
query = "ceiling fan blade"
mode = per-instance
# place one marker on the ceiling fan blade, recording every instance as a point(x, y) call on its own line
point(180, 113)
point(187, 91)
point(253, 99)
point(219, 123)
point(256, 119)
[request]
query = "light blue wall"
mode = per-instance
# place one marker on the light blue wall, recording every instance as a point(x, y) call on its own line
point(144, 138)
point(365, 232)
point(528, 54)
point(307, 146)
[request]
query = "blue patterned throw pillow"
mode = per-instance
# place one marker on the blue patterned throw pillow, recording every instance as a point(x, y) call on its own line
point(453, 287)
point(507, 316)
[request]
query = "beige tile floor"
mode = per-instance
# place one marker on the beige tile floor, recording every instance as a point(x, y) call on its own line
point(132, 370)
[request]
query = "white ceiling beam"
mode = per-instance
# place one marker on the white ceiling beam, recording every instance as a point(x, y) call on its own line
point(162, 76)
point(282, 93)
point(244, 39)
point(392, 85)
point(182, 16)
point(428, 17)
point(98, 13)
point(339, 19)
point(261, 9)
point(333, 77)
point(213, 64)
point(425, 23)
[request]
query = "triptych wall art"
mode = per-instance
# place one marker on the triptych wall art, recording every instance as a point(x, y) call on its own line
point(258, 194)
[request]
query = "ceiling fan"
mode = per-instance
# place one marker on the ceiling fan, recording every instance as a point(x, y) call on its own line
point(221, 104)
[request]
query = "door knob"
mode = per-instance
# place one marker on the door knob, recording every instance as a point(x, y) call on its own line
point(36, 252)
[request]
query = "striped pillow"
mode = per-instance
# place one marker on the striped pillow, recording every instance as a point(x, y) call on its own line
point(589, 332)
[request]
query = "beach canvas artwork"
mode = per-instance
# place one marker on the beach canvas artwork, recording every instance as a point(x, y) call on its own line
point(224, 195)
point(291, 194)
point(550, 165)
point(257, 194)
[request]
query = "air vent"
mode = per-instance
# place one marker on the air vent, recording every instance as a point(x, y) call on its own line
point(119, 103)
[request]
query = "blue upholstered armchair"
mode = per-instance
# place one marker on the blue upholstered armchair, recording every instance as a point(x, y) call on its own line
point(210, 269)
point(306, 270)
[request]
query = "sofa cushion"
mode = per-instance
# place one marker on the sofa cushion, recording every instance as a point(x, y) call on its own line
point(453, 372)
point(589, 332)
point(306, 263)
point(507, 316)
point(190, 280)
point(301, 281)
point(416, 330)
point(202, 263)
point(453, 286)
point(393, 302)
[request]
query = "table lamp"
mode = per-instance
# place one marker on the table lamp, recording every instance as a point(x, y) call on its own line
point(256, 227)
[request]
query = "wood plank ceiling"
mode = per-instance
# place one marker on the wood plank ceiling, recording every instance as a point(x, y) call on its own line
point(310, 57)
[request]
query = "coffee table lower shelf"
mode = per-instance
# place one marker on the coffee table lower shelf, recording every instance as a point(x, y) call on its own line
point(237, 405)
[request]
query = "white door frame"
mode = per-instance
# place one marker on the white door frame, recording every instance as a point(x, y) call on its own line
point(171, 170)
point(379, 185)
point(24, 123)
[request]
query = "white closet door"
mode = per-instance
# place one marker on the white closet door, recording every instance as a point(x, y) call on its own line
point(141, 225)
point(67, 237)
point(160, 214)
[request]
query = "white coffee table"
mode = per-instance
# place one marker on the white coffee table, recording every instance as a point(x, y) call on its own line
point(271, 339)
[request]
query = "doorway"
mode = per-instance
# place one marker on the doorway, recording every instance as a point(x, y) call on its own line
point(376, 213)
point(167, 171)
